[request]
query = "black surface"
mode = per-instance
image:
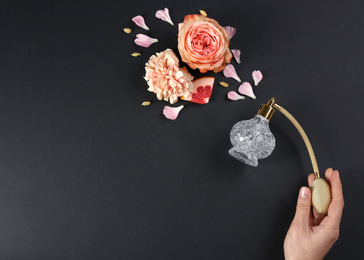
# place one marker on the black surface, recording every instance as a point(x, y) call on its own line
point(88, 173)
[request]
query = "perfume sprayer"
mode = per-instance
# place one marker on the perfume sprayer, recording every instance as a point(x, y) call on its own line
point(253, 140)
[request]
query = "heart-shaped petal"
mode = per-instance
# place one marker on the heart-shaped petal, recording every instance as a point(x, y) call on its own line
point(139, 20)
point(246, 89)
point(234, 96)
point(230, 72)
point(257, 76)
point(172, 112)
point(230, 30)
point(164, 15)
point(236, 54)
point(144, 40)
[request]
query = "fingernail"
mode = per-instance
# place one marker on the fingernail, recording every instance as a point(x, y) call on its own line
point(338, 173)
point(304, 193)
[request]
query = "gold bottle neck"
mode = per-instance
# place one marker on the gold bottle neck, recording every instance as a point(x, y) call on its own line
point(267, 110)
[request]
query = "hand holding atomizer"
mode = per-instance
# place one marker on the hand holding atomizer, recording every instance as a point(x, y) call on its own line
point(311, 234)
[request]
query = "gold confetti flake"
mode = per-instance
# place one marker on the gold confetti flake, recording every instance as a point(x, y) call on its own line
point(224, 84)
point(203, 13)
point(135, 54)
point(127, 30)
point(146, 103)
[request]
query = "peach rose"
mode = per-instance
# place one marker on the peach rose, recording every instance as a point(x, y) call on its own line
point(203, 43)
point(165, 78)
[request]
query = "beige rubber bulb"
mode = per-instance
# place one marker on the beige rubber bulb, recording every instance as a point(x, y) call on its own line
point(321, 195)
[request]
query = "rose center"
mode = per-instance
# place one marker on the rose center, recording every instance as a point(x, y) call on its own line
point(204, 44)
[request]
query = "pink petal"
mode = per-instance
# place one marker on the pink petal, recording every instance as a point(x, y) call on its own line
point(234, 96)
point(164, 15)
point(230, 72)
point(246, 89)
point(236, 54)
point(230, 30)
point(139, 20)
point(144, 40)
point(172, 112)
point(257, 76)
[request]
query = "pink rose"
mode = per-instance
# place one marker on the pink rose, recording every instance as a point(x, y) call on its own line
point(165, 78)
point(203, 43)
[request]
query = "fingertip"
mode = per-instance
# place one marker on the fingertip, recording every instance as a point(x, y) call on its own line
point(337, 173)
point(305, 192)
point(337, 203)
point(303, 209)
point(310, 179)
point(328, 173)
point(335, 178)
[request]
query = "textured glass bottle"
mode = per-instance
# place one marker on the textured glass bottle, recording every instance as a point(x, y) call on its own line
point(251, 140)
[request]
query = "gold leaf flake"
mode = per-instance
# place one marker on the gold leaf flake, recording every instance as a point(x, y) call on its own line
point(146, 103)
point(203, 13)
point(127, 30)
point(135, 54)
point(224, 84)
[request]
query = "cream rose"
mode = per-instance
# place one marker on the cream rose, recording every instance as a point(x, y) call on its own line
point(203, 43)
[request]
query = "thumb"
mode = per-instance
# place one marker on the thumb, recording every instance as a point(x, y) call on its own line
point(303, 209)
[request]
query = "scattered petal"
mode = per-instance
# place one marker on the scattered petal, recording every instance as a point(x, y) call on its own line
point(236, 54)
point(144, 40)
point(203, 13)
point(146, 103)
point(164, 15)
point(234, 96)
point(230, 30)
point(230, 72)
point(257, 76)
point(139, 20)
point(127, 30)
point(135, 54)
point(246, 89)
point(224, 84)
point(172, 112)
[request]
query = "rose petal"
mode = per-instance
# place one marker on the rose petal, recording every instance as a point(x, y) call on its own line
point(172, 112)
point(139, 20)
point(164, 15)
point(234, 96)
point(246, 89)
point(236, 54)
point(230, 72)
point(257, 76)
point(144, 40)
point(230, 30)
point(136, 54)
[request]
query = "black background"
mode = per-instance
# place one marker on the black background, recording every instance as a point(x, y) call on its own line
point(86, 172)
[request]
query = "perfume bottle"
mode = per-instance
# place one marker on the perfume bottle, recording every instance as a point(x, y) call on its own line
point(251, 140)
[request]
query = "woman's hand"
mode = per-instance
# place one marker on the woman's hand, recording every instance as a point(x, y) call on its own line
point(311, 235)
